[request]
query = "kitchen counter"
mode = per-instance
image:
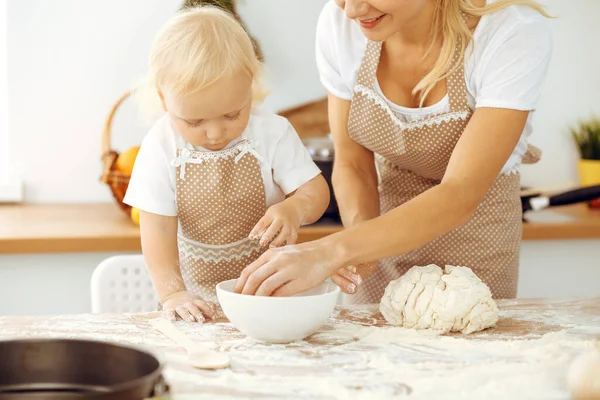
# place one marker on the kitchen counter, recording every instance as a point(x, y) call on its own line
point(103, 227)
point(356, 356)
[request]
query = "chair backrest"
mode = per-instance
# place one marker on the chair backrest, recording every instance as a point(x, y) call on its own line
point(121, 284)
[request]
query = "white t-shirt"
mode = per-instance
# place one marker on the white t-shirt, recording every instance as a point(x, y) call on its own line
point(287, 164)
point(505, 64)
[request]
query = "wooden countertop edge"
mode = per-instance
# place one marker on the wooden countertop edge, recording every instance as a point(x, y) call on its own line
point(119, 235)
point(132, 244)
point(69, 245)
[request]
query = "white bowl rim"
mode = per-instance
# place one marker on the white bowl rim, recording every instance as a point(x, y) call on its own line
point(334, 291)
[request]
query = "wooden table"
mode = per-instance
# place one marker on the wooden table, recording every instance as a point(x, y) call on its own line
point(103, 227)
point(356, 356)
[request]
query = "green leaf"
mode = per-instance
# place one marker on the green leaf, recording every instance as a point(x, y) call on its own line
point(587, 138)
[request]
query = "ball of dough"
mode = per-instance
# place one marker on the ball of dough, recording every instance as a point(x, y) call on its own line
point(584, 376)
point(454, 299)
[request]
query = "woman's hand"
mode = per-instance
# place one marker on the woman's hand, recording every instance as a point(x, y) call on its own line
point(289, 270)
point(350, 278)
point(279, 226)
point(188, 307)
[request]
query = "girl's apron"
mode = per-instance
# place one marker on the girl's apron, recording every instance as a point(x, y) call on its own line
point(220, 198)
point(411, 157)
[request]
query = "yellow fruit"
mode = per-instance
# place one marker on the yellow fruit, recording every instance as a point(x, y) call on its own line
point(135, 215)
point(126, 160)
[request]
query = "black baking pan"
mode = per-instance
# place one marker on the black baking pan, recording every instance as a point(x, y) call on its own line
point(77, 369)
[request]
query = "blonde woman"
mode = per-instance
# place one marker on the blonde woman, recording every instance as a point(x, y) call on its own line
point(217, 180)
point(430, 107)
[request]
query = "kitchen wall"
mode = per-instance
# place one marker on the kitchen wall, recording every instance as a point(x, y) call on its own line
point(60, 283)
point(69, 60)
point(4, 155)
point(571, 90)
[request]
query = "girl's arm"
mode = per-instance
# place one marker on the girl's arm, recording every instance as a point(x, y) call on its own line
point(159, 245)
point(304, 206)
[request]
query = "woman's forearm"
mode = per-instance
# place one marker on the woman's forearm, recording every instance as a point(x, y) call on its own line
point(405, 228)
point(159, 245)
point(356, 194)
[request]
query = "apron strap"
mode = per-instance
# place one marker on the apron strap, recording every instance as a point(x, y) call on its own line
point(368, 69)
point(456, 85)
point(184, 156)
point(248, 146)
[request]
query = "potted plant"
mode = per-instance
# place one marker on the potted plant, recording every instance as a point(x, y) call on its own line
point(587, 137)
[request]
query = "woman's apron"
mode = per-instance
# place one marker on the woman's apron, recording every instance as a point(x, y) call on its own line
point(220, 198)
point(411, 157)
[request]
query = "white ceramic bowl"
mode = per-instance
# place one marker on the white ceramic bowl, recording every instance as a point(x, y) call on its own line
point(278, 319)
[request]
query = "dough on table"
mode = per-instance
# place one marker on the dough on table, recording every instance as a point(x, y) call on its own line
point(449, 300)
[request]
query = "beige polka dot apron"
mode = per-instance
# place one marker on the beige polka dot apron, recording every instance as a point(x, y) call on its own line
point(220, 198)
point(411, 157)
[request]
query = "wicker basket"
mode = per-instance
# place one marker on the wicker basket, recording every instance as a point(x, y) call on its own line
point(116, 180)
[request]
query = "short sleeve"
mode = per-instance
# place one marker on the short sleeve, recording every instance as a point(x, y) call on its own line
point(292, 164)
point(513, 73)
point(328, 63)
point(152, 184)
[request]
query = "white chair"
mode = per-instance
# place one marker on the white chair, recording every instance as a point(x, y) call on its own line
point(121, 284)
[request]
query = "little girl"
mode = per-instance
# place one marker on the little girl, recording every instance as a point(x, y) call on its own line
point(216, 180)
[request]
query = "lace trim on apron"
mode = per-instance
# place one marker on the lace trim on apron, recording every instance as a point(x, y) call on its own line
point(215, 253)
point(429, 122)
point(198, 157)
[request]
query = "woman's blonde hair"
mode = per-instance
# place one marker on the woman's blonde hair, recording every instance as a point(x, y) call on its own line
point(450, 20)
point(196, 48)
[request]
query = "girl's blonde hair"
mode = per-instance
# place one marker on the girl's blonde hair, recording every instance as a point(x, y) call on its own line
point(451, 24)
point(194, 49)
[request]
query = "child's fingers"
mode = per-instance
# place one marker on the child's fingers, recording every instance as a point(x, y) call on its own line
point(195, 311)
point(184, 314)
point(207, 308)
point(260, 227)
point(282, 237)
point(271, 232)
point(170, 314)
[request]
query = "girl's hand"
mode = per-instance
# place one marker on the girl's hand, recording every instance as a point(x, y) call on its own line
point(289, 270)
point(279, 226)
point(188, 307)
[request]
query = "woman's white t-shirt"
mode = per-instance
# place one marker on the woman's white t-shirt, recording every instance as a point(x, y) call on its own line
point(505, 64)
point(286, 164)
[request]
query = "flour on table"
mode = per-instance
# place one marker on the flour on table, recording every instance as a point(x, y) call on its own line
point(357, 355)
point(454, 299)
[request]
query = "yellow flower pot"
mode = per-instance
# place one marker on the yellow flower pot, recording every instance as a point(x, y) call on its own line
point(589, 175)
point(589, 172)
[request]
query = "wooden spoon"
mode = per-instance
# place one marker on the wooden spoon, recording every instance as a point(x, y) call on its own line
point(198, 356)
